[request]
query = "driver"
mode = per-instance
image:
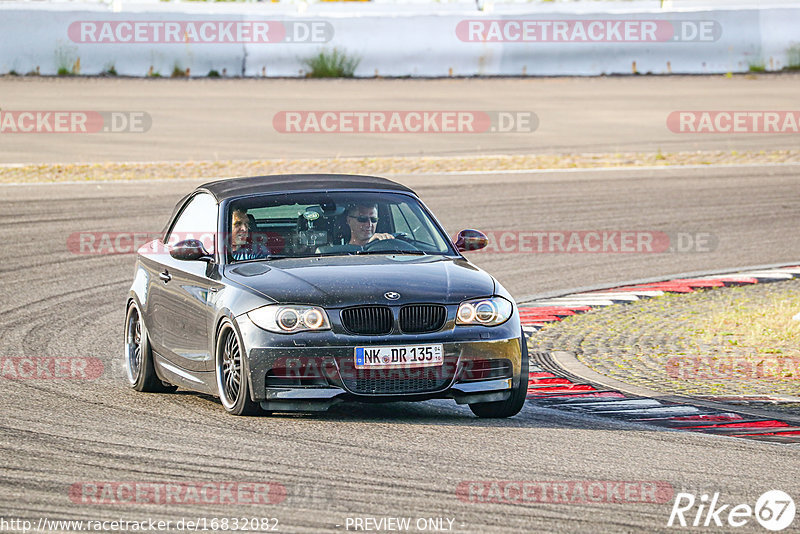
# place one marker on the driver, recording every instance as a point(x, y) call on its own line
point(362, 219)
point(242, 245)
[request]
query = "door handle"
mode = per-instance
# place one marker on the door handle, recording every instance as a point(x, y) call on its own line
point(165, 276)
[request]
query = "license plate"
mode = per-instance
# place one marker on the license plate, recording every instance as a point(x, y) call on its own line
point(399, 356)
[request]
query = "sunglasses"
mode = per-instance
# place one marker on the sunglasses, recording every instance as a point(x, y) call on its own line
point(364, 218)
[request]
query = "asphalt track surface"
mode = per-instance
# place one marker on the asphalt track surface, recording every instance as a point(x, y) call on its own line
point(233, 119)
point(374, 461)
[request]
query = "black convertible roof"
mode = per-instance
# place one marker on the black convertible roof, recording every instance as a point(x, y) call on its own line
point(286, 183)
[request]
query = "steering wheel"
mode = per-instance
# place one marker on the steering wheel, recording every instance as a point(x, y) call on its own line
point(397, 244)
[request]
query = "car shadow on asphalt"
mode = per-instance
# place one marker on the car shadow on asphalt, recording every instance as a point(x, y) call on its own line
point(438, 412)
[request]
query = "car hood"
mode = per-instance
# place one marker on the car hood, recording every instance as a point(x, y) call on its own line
point(339, 281)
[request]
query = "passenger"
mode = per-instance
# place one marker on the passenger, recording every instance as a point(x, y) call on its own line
point(362, 219)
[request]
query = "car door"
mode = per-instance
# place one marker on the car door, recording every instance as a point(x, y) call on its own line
point(182, 298)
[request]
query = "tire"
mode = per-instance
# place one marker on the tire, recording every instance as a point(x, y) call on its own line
point(231, 373)
point(138, 356)
point(514, 403)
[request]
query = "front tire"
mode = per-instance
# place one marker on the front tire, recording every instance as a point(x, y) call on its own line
point(138, 356)
point(514, 403)
point(232, 376)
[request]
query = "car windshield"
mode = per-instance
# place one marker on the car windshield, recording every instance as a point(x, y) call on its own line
point(295, 225)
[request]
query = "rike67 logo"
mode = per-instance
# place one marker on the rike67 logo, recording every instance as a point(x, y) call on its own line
point(774, 510)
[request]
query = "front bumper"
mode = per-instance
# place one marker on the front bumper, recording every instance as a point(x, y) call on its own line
point(312, 371)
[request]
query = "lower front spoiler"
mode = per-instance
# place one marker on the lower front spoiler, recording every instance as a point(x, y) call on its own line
point(317, 399)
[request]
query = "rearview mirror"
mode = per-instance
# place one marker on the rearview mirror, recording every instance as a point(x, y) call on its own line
point(470, 240)
point(190, 250)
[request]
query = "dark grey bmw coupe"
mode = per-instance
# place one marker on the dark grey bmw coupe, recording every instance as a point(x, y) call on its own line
point(291, 293)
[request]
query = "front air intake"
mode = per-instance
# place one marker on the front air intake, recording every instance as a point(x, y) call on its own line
point(369, 320)
point(422, 318)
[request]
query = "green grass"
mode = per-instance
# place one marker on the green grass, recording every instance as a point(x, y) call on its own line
point(66, 61)
point(331, 64)
point(761, 327)
point(757, 66)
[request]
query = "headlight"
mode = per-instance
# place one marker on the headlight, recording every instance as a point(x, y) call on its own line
point(288, 319)
point(487, 312)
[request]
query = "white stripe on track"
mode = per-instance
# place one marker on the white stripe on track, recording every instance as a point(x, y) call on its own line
point(445, 173)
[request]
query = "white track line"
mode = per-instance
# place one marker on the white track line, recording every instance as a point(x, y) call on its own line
point(444, 173)
point(601, 169)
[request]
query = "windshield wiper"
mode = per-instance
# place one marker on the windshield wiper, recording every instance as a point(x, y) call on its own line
point(410, 252)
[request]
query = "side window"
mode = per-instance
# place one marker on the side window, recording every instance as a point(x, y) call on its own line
point(198, 220)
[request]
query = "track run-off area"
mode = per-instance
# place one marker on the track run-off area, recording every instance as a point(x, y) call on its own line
point(69, 445)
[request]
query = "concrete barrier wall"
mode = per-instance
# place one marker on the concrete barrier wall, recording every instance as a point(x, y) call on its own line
point(406, 44)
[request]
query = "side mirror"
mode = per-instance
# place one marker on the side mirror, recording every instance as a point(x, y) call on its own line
point(190, 250)
point(470, 240)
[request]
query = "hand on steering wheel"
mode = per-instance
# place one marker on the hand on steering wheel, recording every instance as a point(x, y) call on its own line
point(389, 245)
